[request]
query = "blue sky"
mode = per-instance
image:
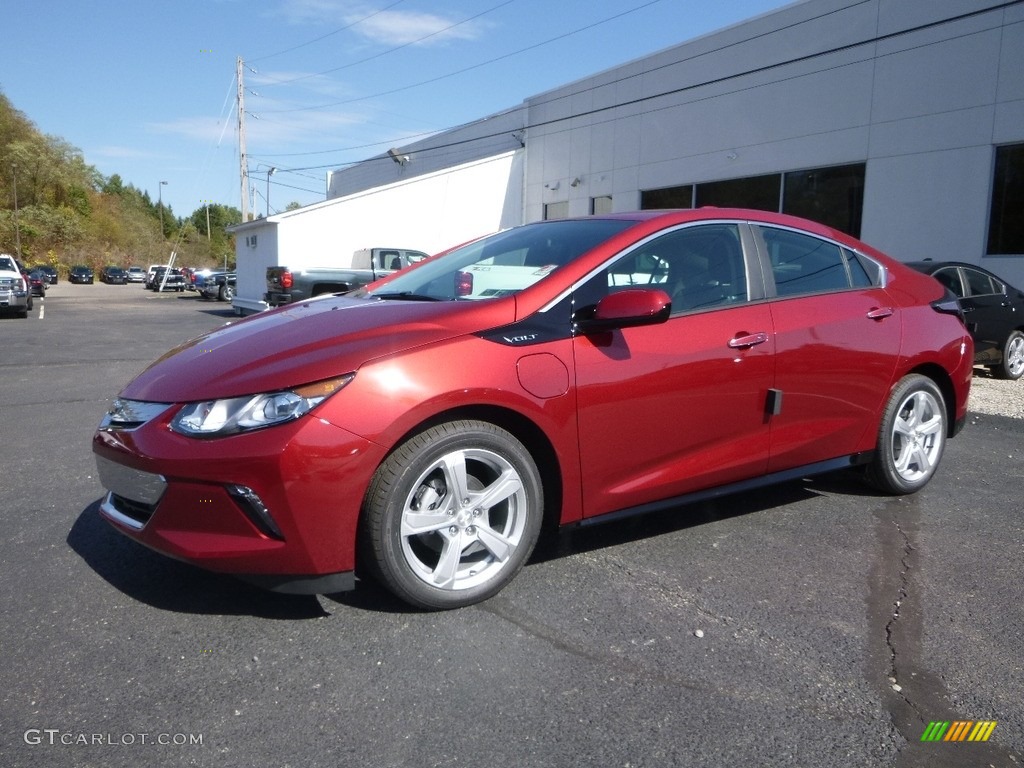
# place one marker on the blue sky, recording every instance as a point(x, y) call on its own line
point(147, 89)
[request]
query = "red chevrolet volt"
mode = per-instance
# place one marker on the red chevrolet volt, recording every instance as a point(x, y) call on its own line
point(422, 430)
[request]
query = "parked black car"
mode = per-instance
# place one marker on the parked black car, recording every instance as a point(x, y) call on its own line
point(80, 274)
point(50, 272)
point(114, 276)
point(993, 310)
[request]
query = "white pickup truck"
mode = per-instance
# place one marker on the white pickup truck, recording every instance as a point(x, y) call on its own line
point(285, 286)
point(14, 291)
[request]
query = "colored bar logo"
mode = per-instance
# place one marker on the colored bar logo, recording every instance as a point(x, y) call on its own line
point(959, 730)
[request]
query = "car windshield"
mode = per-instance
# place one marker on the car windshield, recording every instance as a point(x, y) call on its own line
point(501, 264)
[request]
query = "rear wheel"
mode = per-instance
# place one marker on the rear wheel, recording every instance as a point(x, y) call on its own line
point(1012, 366)
point(911, 437)
point(453, 514)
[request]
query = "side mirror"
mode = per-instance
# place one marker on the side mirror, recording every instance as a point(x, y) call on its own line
point(627, 309)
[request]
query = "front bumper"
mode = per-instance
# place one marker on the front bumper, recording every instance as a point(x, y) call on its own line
point(278, 507)
point(14, 299)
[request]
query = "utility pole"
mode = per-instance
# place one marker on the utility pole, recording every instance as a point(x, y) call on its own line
point(269, 174)
point(17, 226)
point(160, 195)
point(242, 157)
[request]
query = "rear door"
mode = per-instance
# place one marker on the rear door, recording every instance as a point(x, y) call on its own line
point(673, 408)
point(988, 312)
point(837, 336)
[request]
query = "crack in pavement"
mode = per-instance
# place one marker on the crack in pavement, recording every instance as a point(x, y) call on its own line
point(911, 693)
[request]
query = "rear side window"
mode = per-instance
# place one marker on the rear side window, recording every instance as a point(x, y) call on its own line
point(803, 264)
point(981, 284)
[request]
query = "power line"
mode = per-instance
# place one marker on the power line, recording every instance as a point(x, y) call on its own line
point(324, 37)
point(469, 68)
point(390, 50)
point(705, 83)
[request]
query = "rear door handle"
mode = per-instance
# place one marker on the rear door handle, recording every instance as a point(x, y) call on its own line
point(748, 340)
point(880, 313)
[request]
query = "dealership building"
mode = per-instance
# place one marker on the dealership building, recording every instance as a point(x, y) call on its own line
point(898, 121)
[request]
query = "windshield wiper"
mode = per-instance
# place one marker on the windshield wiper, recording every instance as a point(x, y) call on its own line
point(405, 296)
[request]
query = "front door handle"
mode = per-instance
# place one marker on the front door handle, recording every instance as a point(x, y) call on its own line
point(880, 313)
point(748, 340)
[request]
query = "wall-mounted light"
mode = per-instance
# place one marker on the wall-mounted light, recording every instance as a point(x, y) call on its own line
point(397, 156)
point(575, 182)
point(552, 185)
point(731, 155)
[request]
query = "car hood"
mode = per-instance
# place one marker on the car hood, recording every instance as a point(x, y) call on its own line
point(306, 342)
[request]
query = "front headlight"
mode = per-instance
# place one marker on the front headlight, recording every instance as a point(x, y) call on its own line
point(217, 418)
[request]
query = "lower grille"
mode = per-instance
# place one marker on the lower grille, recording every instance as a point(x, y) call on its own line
point(131, 514)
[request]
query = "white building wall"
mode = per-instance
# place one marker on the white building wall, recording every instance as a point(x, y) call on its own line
point(429, 213)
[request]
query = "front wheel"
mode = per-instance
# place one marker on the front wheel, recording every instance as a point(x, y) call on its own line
point(226, 293)
point(911, 437)
point(453, 514)
point(1012, 366)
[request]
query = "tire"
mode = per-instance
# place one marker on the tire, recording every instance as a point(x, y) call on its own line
point(226, 293)
point(1012, 366)
point(911, 437)
point(436, 550)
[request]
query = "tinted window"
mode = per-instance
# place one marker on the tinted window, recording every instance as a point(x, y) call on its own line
point(950, 278)
point(1006, 225)
point(760, 192)
point(981, 284)
point(833, 196)
point(804, 264)
point(699, 267)
point(670, 197)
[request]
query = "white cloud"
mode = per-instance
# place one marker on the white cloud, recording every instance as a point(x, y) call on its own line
point(386, 27)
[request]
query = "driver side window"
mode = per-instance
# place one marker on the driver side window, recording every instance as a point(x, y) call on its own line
point(699, 267)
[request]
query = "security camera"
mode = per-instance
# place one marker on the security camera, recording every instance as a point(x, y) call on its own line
point(397, 156)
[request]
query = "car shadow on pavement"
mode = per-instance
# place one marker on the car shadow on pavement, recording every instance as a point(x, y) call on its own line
point(171, 585)
point(574, 540)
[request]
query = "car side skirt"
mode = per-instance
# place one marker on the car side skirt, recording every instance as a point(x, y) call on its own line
point(821, 467)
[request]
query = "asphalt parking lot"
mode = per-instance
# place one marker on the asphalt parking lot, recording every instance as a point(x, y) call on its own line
point(812, 624)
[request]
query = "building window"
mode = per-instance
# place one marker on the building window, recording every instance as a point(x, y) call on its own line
point(832, 196)
point(1006, 220)
point(670, 197)
point(556, 210)
point(601, 204)
point(758, 192)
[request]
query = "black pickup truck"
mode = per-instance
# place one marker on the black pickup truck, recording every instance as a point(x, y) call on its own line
point(164, 279)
